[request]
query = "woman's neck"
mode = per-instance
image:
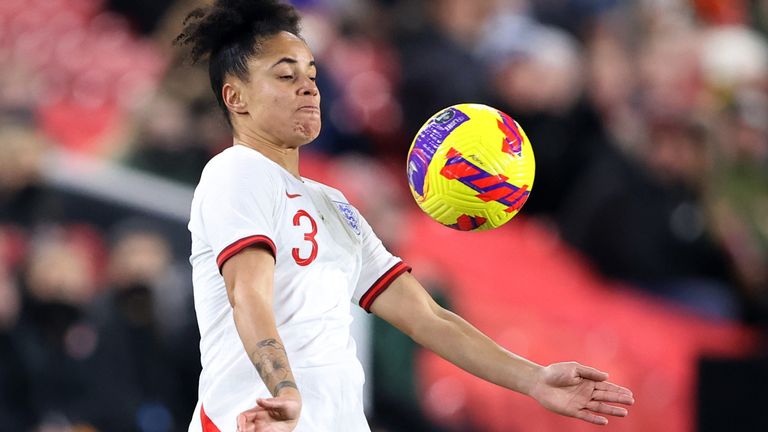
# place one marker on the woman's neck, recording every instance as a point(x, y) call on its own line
point(288, 158)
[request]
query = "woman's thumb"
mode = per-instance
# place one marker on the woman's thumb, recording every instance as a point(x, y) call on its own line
point(271, 403)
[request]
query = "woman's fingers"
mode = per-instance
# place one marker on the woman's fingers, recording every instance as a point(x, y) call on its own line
point(609, 386)
point(612, 396)
point(591, 373)
point(271, 403)
point(591, 417)
point(602, 408)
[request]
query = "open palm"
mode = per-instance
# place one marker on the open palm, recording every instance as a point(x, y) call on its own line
point(579, 391)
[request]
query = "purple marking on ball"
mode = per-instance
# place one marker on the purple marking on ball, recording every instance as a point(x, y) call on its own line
point(427, 142)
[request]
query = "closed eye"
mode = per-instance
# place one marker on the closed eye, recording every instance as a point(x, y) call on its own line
point(286, 77)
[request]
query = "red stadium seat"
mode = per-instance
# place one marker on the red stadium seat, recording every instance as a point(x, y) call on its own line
point(531, 293)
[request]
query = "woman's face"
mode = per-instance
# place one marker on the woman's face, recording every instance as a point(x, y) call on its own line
point(281, 100)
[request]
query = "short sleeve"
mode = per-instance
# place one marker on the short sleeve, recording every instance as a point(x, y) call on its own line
point(379, 268)
point(238, 210)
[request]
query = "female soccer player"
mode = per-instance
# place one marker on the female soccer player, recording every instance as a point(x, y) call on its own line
point(277, 258)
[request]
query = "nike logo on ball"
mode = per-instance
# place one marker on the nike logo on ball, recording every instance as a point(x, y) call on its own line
point(292, 195)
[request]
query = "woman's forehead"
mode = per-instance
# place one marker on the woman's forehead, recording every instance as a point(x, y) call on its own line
point(282, 45)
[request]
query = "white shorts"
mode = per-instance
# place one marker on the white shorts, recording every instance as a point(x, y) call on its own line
point(332, 401)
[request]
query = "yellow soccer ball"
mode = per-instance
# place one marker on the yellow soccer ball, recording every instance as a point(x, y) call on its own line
point(471, 167)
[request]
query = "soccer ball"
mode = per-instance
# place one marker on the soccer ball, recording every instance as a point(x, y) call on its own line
point(471, 167)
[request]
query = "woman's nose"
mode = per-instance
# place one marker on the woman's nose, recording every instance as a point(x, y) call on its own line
point(308, 87)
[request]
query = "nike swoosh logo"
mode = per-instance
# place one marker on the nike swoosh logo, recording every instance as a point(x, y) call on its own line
point(292, 195)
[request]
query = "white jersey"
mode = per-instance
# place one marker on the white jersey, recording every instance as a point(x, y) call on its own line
point(326, 256)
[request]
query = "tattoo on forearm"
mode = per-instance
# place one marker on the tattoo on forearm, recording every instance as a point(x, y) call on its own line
point(283, 384)
point(271, 362)
point(270, 343)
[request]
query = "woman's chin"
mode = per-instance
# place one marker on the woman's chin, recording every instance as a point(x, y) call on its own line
point(307, 131)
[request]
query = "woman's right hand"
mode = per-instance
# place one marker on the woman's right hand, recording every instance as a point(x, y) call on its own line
point(277, 414)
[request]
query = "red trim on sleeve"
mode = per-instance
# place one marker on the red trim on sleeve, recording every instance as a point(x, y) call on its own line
point(381, 284)
point(208, 425)
point(243, 243)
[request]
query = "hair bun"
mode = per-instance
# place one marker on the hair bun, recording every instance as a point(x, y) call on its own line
point(227, 22)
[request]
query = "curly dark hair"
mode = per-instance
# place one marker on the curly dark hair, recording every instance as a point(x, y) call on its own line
point(230, 32)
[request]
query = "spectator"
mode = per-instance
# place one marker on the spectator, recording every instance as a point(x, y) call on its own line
point(738, 196)
point(56, 340)
point(644, 222)
point(166, 143)
point(23, 198)
point(538, 79)
point(13, 385)
point(439, 68)
point(145, 351)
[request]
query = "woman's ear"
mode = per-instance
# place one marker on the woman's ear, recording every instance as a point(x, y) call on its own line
point(233, 98)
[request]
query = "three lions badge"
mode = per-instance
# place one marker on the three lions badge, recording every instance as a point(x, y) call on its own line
point(350, 215)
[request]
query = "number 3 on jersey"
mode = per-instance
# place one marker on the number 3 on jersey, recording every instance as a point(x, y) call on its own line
point(310, 237)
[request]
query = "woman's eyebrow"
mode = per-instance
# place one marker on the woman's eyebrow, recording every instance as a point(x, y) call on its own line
point(290, 60)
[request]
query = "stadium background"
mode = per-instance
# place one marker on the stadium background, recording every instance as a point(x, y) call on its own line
point(643, 249)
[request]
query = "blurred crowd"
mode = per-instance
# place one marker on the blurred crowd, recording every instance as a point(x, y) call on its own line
point(648, 118)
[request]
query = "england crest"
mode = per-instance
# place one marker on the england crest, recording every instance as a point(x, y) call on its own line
point(350, 215)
